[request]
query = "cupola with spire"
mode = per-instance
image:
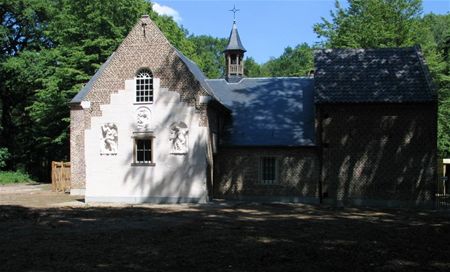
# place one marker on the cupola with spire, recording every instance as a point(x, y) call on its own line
point(234, 55)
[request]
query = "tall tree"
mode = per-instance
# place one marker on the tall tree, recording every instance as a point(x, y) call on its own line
point(371, 24)
point(23, 23)
point(434, 37)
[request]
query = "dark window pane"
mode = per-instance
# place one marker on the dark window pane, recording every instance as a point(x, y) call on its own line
point(268, 169)
point(147, 155)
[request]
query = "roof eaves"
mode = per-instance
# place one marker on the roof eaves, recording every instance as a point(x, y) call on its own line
point(426, 72)
point(198, 75)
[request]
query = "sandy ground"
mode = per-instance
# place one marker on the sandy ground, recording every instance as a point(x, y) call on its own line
point(46, 231)
point(35, 195)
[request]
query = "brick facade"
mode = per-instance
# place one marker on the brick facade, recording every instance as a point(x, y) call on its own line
point(378, 152)
point(237, 173)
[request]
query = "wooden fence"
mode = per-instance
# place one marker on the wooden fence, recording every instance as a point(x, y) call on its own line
point(61, 176)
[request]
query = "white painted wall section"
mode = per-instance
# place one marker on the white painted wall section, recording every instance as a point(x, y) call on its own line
point(174, 178)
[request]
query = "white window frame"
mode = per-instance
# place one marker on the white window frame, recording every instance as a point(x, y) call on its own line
point(144, 82)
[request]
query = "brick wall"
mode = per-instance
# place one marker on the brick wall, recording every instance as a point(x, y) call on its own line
point(77, 169)
point(237, 173)
point(379, 152)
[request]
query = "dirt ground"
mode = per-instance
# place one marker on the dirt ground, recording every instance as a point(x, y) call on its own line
point(45, 231)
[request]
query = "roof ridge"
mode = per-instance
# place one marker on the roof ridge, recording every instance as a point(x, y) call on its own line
point(409, 48)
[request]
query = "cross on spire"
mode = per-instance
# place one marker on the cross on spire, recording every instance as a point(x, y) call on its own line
point(234, 10)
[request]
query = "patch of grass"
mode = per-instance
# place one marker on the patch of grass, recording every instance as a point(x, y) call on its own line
point(7, 177)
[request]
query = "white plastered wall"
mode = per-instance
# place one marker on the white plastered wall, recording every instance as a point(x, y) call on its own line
point(173, 178)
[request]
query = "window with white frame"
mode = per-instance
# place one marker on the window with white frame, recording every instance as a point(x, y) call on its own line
point(269, 170)
point(144, 86)
point(143, 151)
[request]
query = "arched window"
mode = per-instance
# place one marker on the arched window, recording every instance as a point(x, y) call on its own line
point(144, 86)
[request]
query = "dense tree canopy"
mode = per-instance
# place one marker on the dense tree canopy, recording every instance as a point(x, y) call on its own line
point(50, 48)
point(371, 24)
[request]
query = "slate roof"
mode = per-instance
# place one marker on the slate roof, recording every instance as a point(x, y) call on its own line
point(390, 75)
point(196, 72)
point(234, 41)
point(268, 111)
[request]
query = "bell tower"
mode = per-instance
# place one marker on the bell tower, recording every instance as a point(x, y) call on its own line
point(234, 54)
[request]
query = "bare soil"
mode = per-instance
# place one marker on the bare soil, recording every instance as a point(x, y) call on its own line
point(45, 231)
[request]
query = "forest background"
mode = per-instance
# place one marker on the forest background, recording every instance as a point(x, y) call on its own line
point(51, 48)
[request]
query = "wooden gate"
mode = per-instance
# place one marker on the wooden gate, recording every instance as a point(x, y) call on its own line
point(61, 176)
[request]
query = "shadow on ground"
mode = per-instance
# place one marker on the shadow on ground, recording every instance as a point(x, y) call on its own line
point(222, 237)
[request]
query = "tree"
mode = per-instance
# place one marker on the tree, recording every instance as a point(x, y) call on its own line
point(434, 37)
point(371, 24)
point(23, 23)
point(251, 68)
point(298, 61)
point(208, 54)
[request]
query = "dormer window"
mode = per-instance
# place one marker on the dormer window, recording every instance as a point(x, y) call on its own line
point(144, 86)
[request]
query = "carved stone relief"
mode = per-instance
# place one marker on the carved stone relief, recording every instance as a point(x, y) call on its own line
point(109, 139)
point(143, 118)
point(178, 138)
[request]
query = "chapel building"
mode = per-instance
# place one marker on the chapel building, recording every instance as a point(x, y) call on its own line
point(150, 127)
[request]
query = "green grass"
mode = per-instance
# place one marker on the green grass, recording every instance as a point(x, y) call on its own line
point(7, 177)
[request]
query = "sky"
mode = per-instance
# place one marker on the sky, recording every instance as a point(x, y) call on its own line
point(266, 27)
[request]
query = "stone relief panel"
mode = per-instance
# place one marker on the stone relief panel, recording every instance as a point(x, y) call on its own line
point(143, 118)
point(178, 138)
point(109, 140)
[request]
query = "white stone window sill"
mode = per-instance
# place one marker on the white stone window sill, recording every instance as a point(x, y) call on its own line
point(143, 164)
point(143, 103)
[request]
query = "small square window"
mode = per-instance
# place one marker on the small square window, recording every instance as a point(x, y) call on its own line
point(143, 152)
point(269, 170)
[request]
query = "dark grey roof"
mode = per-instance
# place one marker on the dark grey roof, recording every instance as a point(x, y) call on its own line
point(268, 111)
point(86, 89)
point(390, 75)
point(234, 41)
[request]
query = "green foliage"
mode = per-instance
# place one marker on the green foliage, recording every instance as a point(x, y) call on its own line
point(435, 40)
point(298, 61)
point(208, 54)
point(4, 155)
point(7, 177)
point(371, 24)
point(251, 68)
